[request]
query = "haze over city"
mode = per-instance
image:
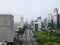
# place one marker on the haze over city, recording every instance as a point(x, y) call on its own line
point(29, 9)
point(29, 22)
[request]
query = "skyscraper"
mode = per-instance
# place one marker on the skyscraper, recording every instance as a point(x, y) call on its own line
point(58, 19)
point(39, 23)
point(21, 22)
point(35, 26)
point(50, 22)
point(45, 22)
point(55, 11)
point(55, 18)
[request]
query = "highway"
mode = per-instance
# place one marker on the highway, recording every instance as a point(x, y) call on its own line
point(28, 38)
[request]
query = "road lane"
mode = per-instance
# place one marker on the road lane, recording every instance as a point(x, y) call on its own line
point(28, 38)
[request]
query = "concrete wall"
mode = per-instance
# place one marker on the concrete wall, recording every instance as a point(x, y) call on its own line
point(6, 27)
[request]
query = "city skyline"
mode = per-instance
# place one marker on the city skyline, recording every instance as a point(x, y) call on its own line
point(29, 9)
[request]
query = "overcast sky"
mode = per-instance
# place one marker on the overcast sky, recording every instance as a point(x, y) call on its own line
point(29, 9)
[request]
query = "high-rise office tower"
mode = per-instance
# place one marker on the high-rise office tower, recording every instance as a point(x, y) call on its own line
point(35, 26)
point(31, 24)
point(50, 21)
point(21, 22)
point(55, 11)
point(55, 18)
point(39, 23)
point(45, 22)
point(58, 21)
point(42, 24)
point(6, 27)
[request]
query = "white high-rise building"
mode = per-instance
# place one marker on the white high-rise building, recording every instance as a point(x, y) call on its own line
point(6, 27)
point(55, 18)
point(55, 11)
point(39, 23)
point(21, 23)
point(35, 26)
point(50, 19)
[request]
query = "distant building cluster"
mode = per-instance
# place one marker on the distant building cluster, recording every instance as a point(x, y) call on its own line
point(36, 25)
point(8, 27)
point(19, 25)
point(51, 22)
point(54, 19)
